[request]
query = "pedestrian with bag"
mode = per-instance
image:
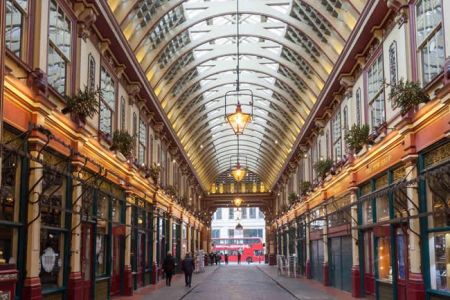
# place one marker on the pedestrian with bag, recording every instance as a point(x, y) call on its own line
point(188, 267)
point(169, 267)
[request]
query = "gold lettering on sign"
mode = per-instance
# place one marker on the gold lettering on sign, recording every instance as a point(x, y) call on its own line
point(378, 164)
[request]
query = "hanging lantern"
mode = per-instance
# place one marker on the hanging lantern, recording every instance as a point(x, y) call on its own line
point(237, 201)
point(239, 227)
point(238, 120)
point(238, 173)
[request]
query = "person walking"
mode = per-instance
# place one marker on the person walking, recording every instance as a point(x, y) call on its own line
point(169, 267)
point(188, 267)
point(239, 258)
point(226, 258)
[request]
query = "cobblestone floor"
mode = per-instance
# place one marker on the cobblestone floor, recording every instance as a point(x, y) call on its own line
point(236, 282)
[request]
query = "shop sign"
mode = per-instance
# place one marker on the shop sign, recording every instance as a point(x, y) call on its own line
point(48, 259)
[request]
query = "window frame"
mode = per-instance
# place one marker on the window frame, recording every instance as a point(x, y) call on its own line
point(381, 92)
point(104, 102)
point(24, 29)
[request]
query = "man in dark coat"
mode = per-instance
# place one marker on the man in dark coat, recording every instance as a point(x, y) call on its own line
point(169, 267)
point(226, 258)
point(239, 257)
point(188, 267)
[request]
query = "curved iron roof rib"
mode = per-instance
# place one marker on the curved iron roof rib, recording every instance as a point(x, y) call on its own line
point(187, 49)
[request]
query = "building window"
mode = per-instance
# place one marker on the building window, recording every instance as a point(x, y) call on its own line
point(59, 48)
point(135, 132)
point(230, 233)
point(261, 214)
point(122, 113)
point(258, 232)
point(231, 213)
point(219, 214)
point(244, 213)
point(107, 102)
point(358, 106)
point(430, 38)
point(91, 72)
point(375, 78)
point(16, 12)
point(393, 69)
point(337, 136)
point(215, 233)
point(142, 142)
point(252, 212)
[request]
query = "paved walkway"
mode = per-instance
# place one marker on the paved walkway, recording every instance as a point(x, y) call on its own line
point(239, 282)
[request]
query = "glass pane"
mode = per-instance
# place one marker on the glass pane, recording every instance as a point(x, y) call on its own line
point(367, 212)
point(52, 244)
point(368, 242)
point(384, 259)
point(402, 254)
point(56, 70)
point(433, 57)
point(100, 253)
point(8, 245)
point(440, 261)
point(52, 198)
point(429, 15)
point(439, 194)
point(10, 186)
point(13, 29)
point(382, 208)
point(105, 119)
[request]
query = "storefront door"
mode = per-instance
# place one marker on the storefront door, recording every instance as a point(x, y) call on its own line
point(369, 278)
point(140, 259)
point(86, 260)
point(317, 260)
point(301, 252)
point(401, 243)
point(117, 262)
point(341, 262)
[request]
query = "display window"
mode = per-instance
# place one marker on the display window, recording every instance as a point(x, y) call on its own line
point(384, 259)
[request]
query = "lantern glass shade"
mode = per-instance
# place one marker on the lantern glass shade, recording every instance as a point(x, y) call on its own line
point(237, 201)
point(238, 120)
point(238, 173)
point(239, 226)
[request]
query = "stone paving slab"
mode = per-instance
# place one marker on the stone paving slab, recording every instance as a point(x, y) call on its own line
point(305, 289)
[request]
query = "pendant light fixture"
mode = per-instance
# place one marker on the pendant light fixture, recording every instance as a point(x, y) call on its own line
point(239, 119)
point(238, 172)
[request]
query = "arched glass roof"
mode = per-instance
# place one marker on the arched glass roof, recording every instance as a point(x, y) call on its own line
point(187, 50)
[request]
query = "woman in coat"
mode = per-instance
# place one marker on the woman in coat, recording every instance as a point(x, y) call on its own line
point(169, 267)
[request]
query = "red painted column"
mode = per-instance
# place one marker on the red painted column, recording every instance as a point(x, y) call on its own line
point(32, 289)
point(356, 282)
point(308, 269)
point(74, 286)
point(415, 287)
point(128, 281)
point(326, 274)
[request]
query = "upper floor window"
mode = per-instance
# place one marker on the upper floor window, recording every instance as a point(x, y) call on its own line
point(142, 151)
point(219, 214)
point(244, 213)
point(260, 214)
point(122, 113)
point(16, 11)
point(393, 65)
point(91, 72)
point(430, 38)
point(135, 132)
point(59, 48)
point(358, 106)
point(252, 212)
point(107, 102)
point(215, 233)
point(375, 82)
point(337, 136)
point(231, 213)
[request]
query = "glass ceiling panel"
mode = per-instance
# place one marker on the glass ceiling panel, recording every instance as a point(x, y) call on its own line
point(187, 49)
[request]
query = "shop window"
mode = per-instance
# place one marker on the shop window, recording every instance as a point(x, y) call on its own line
point(102, 235)
point(52, 198)
point(367, 212)
point(402, 253)
point(59, 48)
point(143, 134)
point(338, 211)
point(368, 257)
point(439, 194)
point(117, 211)
point(107, 102)
point(382, 202)
point(87, 203)
point(440, 261)
point(375, 82)
point(384, 259)
point(10, 186)
point(430, 38)
point(317, 219)
point(8, 245)
point(52, 250)
point(16, 13)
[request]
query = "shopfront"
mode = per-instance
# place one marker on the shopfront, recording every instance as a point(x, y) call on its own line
point(339, 242)
point(384, 217)
point(12, 217)
point(301, 245)
point(435, 192)
point(316, 226)
point(141, 243)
